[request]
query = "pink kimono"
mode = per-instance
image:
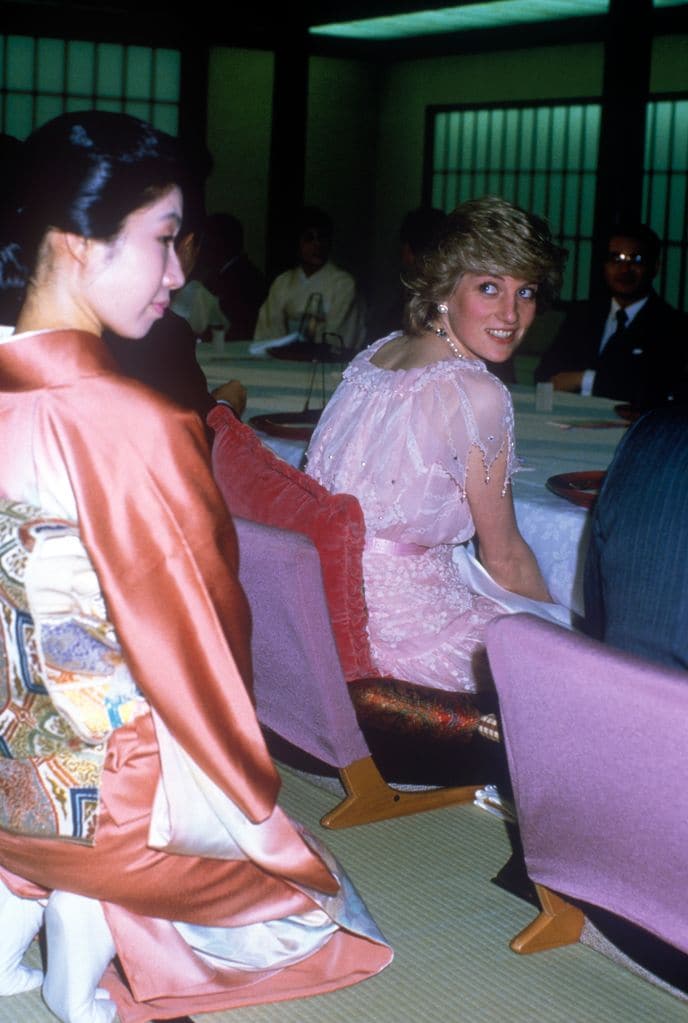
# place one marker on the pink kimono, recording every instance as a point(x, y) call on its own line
point(131, 469)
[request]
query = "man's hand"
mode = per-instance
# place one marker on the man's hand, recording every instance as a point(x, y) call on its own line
point(569, 380)
point(234, 393)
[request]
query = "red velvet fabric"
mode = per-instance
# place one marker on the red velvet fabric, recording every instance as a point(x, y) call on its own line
point(259, 486)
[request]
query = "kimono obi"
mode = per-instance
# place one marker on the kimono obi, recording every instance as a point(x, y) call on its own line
point(64, 684)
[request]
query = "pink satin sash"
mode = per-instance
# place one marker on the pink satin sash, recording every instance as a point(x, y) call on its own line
point(379, 545)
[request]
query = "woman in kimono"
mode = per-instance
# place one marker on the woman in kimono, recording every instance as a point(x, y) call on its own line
point(147, 828)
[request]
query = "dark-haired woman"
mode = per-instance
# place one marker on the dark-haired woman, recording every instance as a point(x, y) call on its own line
point(175, 858)
point(423, 435)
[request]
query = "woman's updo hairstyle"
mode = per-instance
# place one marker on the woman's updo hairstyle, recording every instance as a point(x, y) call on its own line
point(84, 173)
point(483, 236)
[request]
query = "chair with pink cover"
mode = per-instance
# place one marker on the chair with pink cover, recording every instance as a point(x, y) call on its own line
point(315, 682)
point(600, 778)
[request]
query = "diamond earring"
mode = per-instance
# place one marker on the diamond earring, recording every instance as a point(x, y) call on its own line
point(442, 308)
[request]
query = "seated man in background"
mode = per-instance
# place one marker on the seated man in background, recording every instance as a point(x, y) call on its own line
point(419, 231)
point(630, 344)
point(314, 297)
point(238, 283)
point(226, 290)
point(165, 359)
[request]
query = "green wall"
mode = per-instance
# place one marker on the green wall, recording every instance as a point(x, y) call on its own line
point(239, 122)
point(341, 153)
point(412, 85)
point(365, 130)
point(341, 146)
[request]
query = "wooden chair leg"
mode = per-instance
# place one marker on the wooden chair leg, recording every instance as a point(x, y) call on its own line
point(559, 923)
point(369, 797)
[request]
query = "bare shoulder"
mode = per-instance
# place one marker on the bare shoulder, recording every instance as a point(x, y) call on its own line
point(391, 355)
point(404, 352)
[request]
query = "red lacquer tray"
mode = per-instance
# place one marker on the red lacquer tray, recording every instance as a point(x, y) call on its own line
point(288, 425)
point(578, 487)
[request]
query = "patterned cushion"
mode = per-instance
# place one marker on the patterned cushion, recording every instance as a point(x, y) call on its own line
point(259, 486)
point(416, 711)
point(63, 683)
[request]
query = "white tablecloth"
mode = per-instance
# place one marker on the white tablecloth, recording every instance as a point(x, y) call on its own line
point(555, 529)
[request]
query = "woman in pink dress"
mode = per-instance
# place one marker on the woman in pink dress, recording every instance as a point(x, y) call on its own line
point(423, 435)
point(138, 814)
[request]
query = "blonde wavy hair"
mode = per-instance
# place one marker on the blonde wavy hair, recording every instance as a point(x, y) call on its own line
point(484, 236)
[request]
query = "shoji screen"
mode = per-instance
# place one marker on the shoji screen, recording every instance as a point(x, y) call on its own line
point(40, 78)
point(665, 191)
point(543, 158)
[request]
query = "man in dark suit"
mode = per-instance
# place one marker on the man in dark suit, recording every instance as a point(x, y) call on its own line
point(636, 570)
point(630, 345)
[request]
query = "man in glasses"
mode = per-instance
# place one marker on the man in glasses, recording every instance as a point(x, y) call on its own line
point(630, 344)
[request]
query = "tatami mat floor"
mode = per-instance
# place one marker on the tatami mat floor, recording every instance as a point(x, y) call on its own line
point(426, 880)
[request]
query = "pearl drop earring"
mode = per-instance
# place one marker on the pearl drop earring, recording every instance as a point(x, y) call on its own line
point(442, 308)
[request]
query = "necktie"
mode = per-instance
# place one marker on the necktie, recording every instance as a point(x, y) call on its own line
point(621, 320)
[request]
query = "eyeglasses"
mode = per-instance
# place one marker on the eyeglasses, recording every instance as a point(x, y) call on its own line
point(634, 258)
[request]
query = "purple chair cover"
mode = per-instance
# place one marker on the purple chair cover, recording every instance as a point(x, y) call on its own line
point(598, 753)
point(299, 687)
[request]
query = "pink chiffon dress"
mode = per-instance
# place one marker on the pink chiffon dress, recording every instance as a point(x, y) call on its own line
point(399, 440)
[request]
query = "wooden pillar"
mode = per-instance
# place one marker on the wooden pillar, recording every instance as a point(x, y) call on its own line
point(625, 91)
point(193, 109)
point(193, 119)
point(287, 148)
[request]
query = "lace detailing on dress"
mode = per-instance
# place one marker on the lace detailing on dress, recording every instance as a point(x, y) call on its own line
point(424, 625)
point(400, 440)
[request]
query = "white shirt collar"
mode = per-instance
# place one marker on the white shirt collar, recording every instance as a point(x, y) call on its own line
point(630, 310)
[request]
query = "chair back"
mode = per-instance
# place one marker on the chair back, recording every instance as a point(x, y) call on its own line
point(259, 486)
point(597, 749)
point(299, 687)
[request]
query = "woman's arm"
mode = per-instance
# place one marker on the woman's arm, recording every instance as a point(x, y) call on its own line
point(503, 552)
